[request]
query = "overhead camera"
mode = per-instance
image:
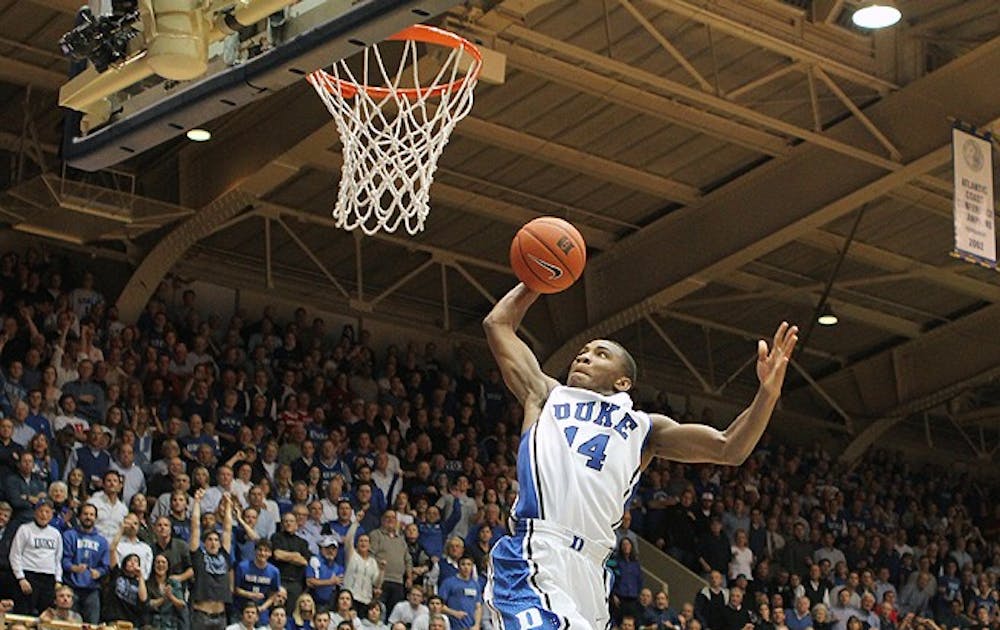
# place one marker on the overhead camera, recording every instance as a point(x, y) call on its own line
point(101, 40)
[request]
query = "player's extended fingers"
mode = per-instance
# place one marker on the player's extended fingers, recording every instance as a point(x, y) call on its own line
point(762, 350)
point(790, 343)
point(790, 339)
point(779, 335)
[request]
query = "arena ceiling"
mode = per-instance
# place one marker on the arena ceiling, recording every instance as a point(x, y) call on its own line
point(731, 164)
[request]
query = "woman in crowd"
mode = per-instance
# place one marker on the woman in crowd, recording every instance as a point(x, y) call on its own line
point(283, 488)
point(166, 596)
point(139, 506)
point(63, 514)
point(114, 420)
point(763, 620)
point(125, 595)
point(76, 488)
point(742, 557)
point(821, 618)
point(363, 574)
point(345, 610)
point(302, 615)
point(46, 466)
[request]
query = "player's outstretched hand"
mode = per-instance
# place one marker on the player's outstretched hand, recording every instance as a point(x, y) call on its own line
point(773, 362)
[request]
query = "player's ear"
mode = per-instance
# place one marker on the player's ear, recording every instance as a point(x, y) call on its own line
point(623, 384)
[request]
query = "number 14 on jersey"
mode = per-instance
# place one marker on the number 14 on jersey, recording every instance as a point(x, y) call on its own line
point(592, 449)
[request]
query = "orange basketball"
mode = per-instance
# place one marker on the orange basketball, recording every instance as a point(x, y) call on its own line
point(548, 254)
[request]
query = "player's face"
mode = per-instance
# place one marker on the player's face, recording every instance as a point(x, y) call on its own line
point(599, 366)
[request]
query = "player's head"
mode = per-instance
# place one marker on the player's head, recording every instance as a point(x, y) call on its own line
point(603, 366)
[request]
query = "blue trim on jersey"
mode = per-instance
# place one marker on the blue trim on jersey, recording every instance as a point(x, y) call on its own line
point(514, 593)
point(528, 504)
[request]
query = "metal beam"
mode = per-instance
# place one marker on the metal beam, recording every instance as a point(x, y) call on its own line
point(667, 46)
point(631, 97)
point(742, 333)
point(314, 258)
point(955, 14)
point(576, 160)
point(826, 11)
point(858, 114)
point(606, 85)
point(705, 386)
point(398, 241)
point(947, 278)
point(870, 317)
point(21, 73)
point(780, 45)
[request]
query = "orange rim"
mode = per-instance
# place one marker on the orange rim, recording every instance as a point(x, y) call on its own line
point(417, 33)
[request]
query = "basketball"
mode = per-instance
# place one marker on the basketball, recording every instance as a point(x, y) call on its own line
point(548, 254)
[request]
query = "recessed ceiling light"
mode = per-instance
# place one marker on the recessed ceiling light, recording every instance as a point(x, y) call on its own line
point(199, 135)
point(876, 15)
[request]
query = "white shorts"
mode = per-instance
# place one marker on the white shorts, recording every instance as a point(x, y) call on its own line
point(544, 577)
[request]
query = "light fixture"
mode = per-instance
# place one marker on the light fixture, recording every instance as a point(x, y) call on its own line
point(827, 317)
point(877, 14)
point(199, 135)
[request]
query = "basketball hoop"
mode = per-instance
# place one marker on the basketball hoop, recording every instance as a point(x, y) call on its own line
point(394, 135)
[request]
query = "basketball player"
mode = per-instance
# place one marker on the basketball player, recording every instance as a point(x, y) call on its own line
point(582, 449)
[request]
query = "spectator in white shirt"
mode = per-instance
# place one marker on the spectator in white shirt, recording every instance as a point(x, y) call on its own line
point(111, 510)
point(410, 608)
point(127, 542)
point(133, 479)
point(224, 481)
point(36, 561)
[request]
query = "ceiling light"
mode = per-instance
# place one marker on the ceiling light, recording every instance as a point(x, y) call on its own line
point(827, 317)
point(878, 14)
point(199, 135)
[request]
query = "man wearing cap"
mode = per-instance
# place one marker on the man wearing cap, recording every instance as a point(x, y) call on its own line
point(36, 560)
point(257, 582)
point(324, 575)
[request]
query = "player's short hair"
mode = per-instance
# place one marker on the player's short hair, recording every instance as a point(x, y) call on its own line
point(631, 369)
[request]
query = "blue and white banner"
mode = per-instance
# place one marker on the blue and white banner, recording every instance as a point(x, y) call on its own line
point(975, 236)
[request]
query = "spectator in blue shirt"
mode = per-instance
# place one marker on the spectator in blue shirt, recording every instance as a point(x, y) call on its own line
point(462, 596)
point(85, 561)
point(628, 581)
point(799, 618)
point(324, 574)
point(257, 581)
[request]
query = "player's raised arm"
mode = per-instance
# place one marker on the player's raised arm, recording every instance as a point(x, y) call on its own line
point(518, 364)
point(702, 443)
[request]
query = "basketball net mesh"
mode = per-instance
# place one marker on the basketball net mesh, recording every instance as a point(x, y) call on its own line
point(393, 136)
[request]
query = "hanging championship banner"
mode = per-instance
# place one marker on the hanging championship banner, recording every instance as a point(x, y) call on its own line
point(975, 237)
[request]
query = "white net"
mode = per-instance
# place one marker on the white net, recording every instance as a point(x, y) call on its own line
point(393, 135)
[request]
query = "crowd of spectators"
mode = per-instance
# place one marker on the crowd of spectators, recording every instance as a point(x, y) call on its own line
point(180, 471)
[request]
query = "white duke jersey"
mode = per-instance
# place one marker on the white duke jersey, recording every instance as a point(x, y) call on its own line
point(578, 465)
